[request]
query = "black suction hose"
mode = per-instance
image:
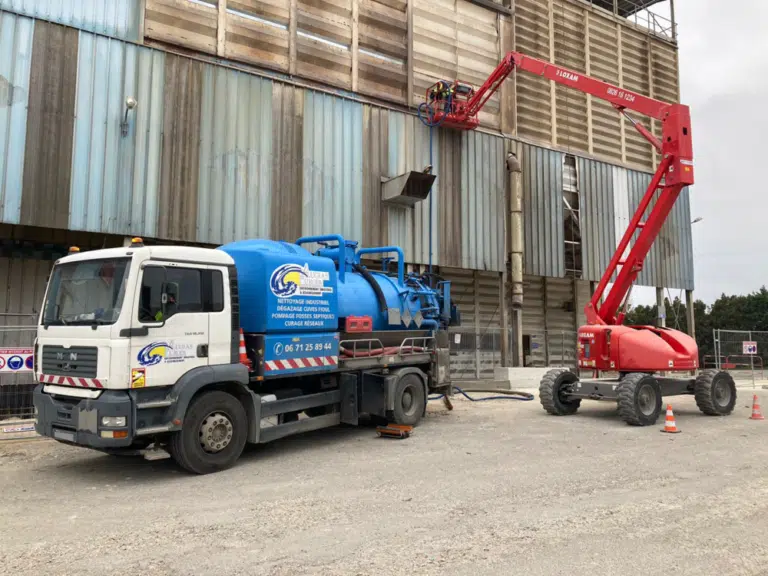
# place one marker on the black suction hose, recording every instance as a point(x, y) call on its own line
point(500, 395)
point(375, 285)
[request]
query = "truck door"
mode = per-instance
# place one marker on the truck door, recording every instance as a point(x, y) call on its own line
point(170, 334)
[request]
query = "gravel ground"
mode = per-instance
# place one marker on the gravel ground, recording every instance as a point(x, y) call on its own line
point(491, 488)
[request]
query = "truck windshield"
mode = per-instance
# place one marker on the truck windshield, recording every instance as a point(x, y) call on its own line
point(86, 292)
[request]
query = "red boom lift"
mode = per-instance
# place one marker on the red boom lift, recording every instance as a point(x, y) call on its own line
point(637, 353)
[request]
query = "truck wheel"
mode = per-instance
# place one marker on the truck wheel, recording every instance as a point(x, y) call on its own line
point(715, 393)
point(409, 400)
point(552, 390)
point(639, 399)
point(213, 435)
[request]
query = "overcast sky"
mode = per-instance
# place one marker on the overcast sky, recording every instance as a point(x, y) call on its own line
point(723, 65)
point(723, 59)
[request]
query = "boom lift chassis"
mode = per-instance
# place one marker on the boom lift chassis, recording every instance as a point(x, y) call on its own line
point(639, 357)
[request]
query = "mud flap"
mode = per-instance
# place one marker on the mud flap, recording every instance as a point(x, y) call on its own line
point(373, 394)
point(348, 388)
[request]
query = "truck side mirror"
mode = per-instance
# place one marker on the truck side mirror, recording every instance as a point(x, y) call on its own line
point(169, 299)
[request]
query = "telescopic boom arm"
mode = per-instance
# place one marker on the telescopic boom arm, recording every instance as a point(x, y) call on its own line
point(675, 171)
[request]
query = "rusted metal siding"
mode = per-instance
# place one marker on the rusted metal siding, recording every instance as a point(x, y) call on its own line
point(116, 18)
point(375, 163)
point(115, 178)
point(598, 234)
point(333, 166)
point(50, 126)
point(287, 174)
point(457, 185)
point(15, 63)
point(235, 182)
point(483, 202)
point(544, 253)
point(180, 163)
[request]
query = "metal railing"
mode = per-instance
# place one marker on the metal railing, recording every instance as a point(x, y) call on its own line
point(643, 18)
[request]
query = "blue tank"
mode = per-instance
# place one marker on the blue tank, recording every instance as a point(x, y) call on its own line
point(285, 288)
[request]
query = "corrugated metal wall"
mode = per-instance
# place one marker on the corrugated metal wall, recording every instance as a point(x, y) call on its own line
point(15, 64)
point(534, 322)
point(180, 160)
point(670, 260)
point(50, 126)
point(213, 154)
point(287, 178)
point(583, 296)
point(116, 18)
point(408, 149)
point(333, 166)
point(115, 179)
point(375, 167)
point(483, 189)
point(236, 132)
point(544, 241)
point(561, 321)
point(553, 310)
point(598, 233)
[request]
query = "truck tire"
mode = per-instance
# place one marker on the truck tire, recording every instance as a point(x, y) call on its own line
point(409, 401)
point(551, 392)
point(213, 435)
point(715, 392)
point(639, 399)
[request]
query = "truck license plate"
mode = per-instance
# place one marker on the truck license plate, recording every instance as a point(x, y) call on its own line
point(64, 435)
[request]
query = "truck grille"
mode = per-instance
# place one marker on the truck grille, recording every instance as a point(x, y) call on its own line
point(77, 361)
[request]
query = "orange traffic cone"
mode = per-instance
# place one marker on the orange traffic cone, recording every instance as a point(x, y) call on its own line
point(243, 354)
point(669, 425)
point(756, 413)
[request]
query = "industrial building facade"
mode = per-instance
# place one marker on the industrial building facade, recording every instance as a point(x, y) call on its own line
point(281, 118)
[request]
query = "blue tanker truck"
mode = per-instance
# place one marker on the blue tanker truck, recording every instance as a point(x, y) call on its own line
point(192, 352)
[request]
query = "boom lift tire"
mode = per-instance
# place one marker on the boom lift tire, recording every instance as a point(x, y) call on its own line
point(715, 392)
point(410, 400)
point(639, 399)
point(551, 390)
point(213, 435)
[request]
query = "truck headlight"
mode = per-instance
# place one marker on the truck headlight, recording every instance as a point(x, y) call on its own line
point(113, 421)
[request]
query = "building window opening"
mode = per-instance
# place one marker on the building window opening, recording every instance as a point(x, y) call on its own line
point(572, 219)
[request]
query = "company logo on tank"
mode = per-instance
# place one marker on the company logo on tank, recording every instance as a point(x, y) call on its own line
point(291, 280)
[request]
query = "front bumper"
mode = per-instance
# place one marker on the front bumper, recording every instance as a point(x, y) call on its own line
point(78, 420)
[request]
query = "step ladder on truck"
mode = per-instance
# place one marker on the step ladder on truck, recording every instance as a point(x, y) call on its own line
point(638, 354)
point(194, 352)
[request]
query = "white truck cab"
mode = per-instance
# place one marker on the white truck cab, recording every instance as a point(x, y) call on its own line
point(125, 319)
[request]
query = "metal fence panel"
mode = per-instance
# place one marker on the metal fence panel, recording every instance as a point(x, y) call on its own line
point(474, 355)
point(731, 355)
point(16, 331)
